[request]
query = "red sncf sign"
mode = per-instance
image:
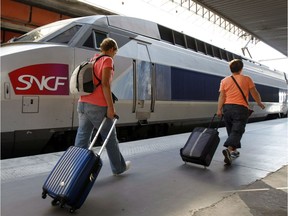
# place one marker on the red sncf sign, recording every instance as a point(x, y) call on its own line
point(41, 79)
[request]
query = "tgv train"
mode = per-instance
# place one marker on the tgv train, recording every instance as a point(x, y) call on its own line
point(162, 78)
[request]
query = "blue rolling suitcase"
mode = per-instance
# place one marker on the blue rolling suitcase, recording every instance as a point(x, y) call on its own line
point(72, 178)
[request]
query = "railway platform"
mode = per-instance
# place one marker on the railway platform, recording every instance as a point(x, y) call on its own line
point(159, 183)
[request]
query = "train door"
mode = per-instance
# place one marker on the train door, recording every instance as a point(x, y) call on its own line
point(143, 101)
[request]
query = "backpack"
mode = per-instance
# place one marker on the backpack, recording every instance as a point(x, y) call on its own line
point(81, 81)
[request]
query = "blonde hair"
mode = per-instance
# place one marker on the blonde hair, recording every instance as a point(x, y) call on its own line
point(107, 44)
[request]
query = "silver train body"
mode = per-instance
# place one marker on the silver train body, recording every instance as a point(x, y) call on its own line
point(161, 77)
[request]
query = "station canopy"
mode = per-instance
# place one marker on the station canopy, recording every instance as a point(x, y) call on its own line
point(265, 20)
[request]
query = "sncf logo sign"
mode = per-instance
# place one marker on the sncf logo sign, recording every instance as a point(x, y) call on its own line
point(41, 79)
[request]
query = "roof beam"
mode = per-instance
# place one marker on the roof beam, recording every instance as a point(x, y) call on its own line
point(215, 18)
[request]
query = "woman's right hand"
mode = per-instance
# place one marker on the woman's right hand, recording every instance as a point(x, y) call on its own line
point(111, 112)
point(219, 113)
point(261, 105)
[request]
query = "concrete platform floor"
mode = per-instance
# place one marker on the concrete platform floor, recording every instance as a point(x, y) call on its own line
point(160, 184)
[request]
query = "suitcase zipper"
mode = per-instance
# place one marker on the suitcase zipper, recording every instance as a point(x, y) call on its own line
point(192, 149)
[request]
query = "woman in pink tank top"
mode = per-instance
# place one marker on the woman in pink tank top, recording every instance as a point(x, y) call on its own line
point(94, 107)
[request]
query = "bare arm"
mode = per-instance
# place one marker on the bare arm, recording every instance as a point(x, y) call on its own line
point(221, 100)
point(256, 96)
point(106, 74)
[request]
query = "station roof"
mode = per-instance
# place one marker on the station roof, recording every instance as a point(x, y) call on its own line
point(266, 20)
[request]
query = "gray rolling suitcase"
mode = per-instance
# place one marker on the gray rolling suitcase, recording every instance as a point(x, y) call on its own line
point(72, 178)
point(201, 145)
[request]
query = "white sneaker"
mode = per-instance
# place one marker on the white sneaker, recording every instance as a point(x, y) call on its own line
point(128, 164)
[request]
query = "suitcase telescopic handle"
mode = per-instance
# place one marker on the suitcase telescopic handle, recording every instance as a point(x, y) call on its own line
point(212, 120)
point(116, 117)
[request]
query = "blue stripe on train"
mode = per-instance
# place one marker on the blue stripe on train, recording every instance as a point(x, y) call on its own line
point(189, 85)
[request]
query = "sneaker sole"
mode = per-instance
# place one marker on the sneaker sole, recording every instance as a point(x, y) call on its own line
point(234, 156)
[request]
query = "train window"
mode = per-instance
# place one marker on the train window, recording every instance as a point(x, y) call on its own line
point(66, 36)
point(216, 52)
point(230, 56)
point(191, 43)
point(40, 33)
point(179, 39)
point(209, 50)
point(166, 34)
point(224, 54)
point(99, 37)
point(236, 56)
point(89, 42)
point(201, 46)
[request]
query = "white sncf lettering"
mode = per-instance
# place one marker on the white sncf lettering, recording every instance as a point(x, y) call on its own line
point(28, 80)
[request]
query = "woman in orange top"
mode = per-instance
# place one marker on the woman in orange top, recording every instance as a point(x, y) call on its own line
point(93, 107)
point(235, 109)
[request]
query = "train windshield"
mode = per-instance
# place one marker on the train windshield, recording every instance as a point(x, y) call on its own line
point(40, 33)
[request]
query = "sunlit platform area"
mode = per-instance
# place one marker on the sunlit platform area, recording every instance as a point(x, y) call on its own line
point(159, 183)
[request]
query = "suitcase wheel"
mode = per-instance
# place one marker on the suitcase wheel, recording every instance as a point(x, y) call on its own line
point(72, 210)
point(55, 202)
point(44, 195)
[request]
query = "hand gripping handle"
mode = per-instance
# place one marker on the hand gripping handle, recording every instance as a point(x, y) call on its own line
point(212, 120)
